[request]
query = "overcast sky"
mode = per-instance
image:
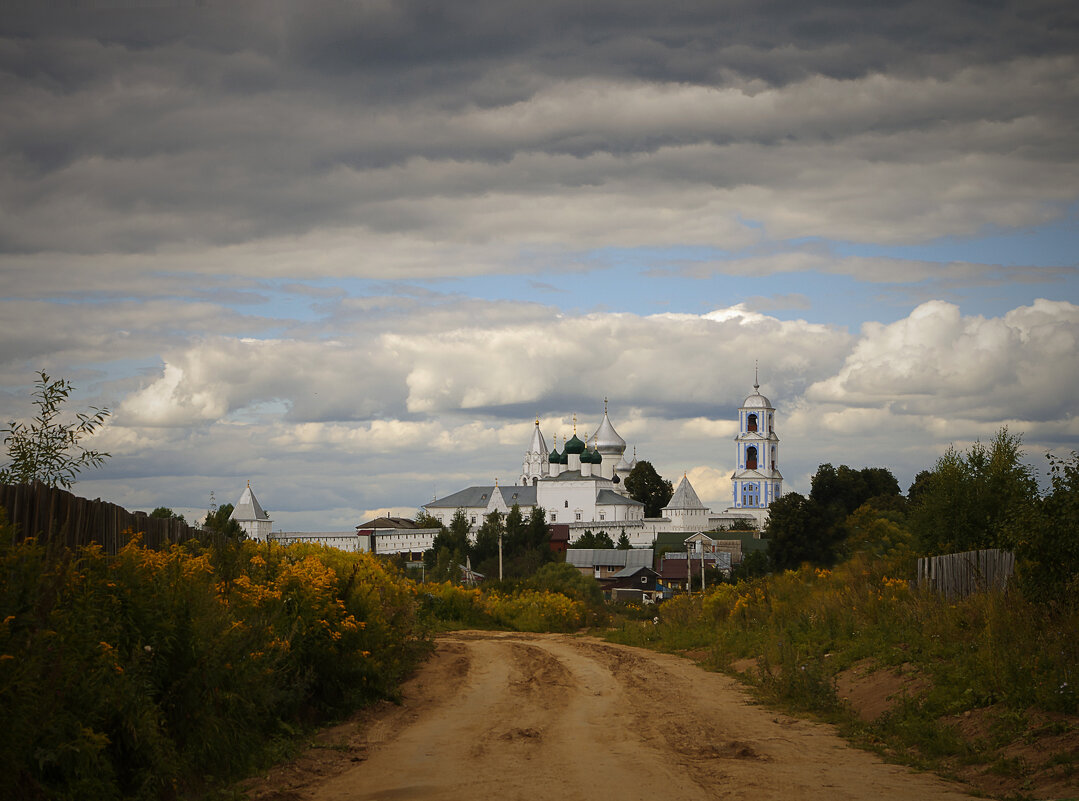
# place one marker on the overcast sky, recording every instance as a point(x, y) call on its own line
point(350, 251)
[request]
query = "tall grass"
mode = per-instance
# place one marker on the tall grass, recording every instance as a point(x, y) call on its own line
point(522, 610)
point(805, 626)
point(151, 673)
point(555, 598)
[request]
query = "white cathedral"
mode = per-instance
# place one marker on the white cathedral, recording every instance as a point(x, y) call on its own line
point(583, 485)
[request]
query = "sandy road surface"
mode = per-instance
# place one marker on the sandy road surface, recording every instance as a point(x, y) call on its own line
point(517, 716)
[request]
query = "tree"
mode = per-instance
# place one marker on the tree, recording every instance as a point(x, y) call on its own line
point(623, 542)
point(568, 580)
point(814, 529)
point(644, 484)
point(485, 551)
point(919, 486)
point(49, 450)
point(517, 532)
point(427, 520)
point(538, 535)
point(590, 540)
point(753, 565)
point(797, 532)
point(879, 533)
point(450, 548)
point(458, 531)
point(984, 497)
point(220, 521)
point(1049, 548)
point(844, 490)
point(164, 513)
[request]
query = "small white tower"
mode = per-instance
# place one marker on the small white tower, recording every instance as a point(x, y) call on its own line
point(685, 510)
point(756, 479)
point(536, 462)
point(251, 517)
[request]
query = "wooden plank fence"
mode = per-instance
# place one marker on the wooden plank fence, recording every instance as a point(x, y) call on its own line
point(64, 520)
point(957, 575)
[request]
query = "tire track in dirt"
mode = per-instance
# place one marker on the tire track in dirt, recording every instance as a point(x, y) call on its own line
point(519, 716)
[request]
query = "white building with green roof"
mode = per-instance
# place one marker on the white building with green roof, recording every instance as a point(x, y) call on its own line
point(581, 486)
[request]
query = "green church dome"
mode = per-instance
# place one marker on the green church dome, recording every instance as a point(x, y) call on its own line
point(574, 445)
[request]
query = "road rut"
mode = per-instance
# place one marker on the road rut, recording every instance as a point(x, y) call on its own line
point(523, 716)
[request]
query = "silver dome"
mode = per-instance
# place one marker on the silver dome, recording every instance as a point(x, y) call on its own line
point(606, 439)
point(757, 401)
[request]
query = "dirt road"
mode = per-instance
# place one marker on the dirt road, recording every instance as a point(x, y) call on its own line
point(516, 716)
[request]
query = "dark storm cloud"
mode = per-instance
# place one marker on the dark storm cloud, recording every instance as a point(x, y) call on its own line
point(441, 43)
point(139, 127)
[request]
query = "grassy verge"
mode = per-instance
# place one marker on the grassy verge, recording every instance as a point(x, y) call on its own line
point(988, 690)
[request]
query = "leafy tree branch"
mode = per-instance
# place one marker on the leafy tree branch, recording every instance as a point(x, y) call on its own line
point(50, 450)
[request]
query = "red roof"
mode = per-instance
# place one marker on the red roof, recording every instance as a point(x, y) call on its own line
point(674, 569)
point(559, 532)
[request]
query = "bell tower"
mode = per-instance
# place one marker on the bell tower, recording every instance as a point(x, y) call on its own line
point(756, 479)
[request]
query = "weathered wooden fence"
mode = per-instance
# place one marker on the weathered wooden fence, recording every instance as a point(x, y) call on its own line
point(957, 575)
point(65, 520)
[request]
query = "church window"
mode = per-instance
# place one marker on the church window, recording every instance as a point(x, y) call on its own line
point(773, 456)
point(554, 517)
point(751, 423)
point(578, 515)
point(567, 504)
point(473, 518)
point(751, 458)
point(602, 515)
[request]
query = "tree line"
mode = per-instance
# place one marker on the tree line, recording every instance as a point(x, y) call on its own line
point(985, 496)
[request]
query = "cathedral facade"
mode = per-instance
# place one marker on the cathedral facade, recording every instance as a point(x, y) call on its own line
point(582, 484)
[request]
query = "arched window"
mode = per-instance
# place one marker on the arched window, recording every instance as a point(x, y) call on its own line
point(751, 423)
point(751, 458)
point(567, 504)
point(773, 457)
